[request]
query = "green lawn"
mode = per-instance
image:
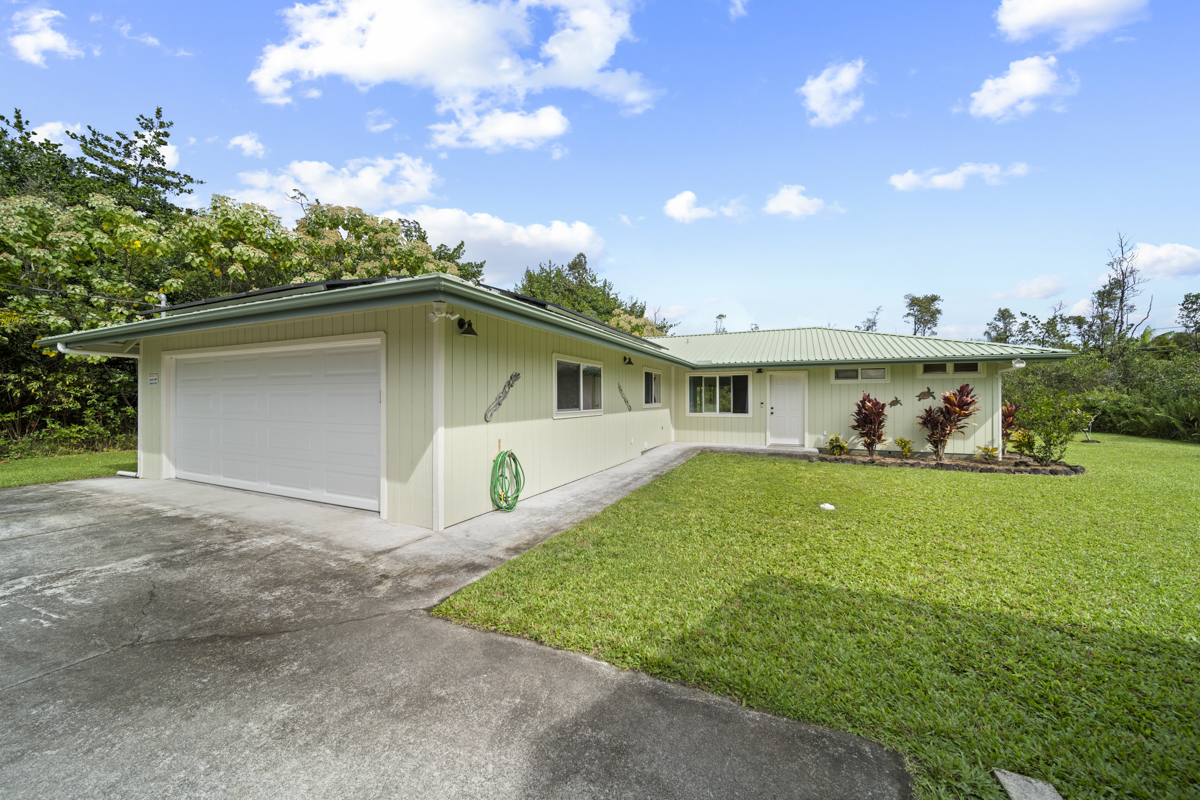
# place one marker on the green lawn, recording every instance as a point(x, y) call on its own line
point(1049, 626)
point(52, 469)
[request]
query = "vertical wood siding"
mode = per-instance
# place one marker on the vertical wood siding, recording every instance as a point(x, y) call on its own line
point(717, 429)
point(552, 451)
point(409, 379)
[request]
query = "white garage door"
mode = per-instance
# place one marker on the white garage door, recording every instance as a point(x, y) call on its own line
point(300, 423)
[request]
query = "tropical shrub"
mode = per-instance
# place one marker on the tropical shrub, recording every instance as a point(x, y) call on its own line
point(1053, 420)
point(953, 416)
point(1008, 423)
point(870, 415)
point(1021, 442)
point(989, 455)
point(906, 447)
point(837, 446)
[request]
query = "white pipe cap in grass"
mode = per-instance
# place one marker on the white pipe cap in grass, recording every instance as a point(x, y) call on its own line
point(826, 507)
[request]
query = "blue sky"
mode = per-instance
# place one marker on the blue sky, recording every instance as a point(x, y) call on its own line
point(783, 163)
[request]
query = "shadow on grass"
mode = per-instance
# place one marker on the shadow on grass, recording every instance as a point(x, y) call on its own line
point(1098, 713)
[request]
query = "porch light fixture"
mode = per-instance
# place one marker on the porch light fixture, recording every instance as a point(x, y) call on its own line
point(464, 325)
point(439, 310)
point(628, 361)
point(1018, 363)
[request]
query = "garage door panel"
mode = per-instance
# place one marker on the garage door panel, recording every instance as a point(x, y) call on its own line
point(299, 424)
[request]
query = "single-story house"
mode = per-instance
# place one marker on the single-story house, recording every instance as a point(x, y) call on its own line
point(396, 394)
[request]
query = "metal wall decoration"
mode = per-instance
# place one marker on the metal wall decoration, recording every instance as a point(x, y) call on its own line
point(495, 406)
point(895, 402)
point(623, 397)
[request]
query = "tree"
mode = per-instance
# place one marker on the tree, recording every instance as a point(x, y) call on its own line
point(1111, 323)
point(576, 286)
point(1189, 317)
point(871, 323)
point(1055, 331)
point(924, 312)
point(35, 167)
point(132, 168)
point(719, 327)
point(1002, 328)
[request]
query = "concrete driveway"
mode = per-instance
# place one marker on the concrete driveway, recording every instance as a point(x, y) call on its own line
point(165, 639)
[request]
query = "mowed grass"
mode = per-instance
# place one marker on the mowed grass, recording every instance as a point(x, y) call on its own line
point(52, 469)
point(1045, 625)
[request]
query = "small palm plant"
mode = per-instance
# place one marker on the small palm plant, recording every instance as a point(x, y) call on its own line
point(870, 415)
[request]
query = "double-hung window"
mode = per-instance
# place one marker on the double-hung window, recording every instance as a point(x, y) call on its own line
point(719, 394)
point(578, 387)
point(651, 389)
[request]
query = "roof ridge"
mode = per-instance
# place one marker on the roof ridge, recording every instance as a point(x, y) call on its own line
point(871, 333)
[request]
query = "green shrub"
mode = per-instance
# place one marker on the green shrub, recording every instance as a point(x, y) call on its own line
point(906, 447)
point(1053, 420)
point(989, 455)
point(837, 446)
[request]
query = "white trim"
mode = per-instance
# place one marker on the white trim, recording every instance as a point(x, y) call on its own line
point(657, 372)
point(886, 367)
point(980, 369)
point(803, 374)
point(590, 412)
point(166, 383)
point(687, 398)
point(439, 428)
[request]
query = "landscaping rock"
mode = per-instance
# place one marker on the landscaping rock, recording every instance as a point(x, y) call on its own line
point(1020, 787)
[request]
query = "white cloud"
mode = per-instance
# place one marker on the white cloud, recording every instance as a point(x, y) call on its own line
point(249, 144)
point(1168, 261)
point(737, 8)
point(992, 174)
point(170, 155)
point(471, 55)
point(1015, 93)
point(1082, 308)
point(790, 200)
point(1037, 288)
point(56, 132)
point(124, 29)
point(33, 35)
point(498, 129)
point(506, 246)
point(682, 208)
point(368, 183)
point(377, 122)
point(1071, 22)
point(828, 97)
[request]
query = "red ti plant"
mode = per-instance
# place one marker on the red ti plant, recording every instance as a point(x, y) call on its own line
point(952, 417)
point(1008, 423)
point(869, 417)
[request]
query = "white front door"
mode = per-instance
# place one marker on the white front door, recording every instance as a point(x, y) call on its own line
point(301, 423)
point(786, 414)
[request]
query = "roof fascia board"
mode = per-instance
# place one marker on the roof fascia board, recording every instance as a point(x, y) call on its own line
point(707, 367)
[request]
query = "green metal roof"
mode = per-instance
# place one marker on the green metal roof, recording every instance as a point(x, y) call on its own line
point(815, 346)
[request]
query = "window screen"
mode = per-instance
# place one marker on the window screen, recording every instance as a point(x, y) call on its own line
point(966, 368)
point(719, 394)
point(874, 374)
point(579, 387)
point(652, 395)
point(845, 374)
point(934, 368)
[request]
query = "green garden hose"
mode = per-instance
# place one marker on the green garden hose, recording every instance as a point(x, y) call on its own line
point(508, 479)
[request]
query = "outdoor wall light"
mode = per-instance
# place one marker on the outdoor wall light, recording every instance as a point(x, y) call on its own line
point(439, 310)
point(628, 361)
point(466, 328)
point(1018, 363)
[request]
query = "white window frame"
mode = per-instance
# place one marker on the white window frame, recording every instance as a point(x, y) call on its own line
point(950, 372)
point(582, 362)
point(658, 372)
point(887, 368)
point(687, 399)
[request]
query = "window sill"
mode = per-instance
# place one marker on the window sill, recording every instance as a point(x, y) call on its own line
point(717, 414)
point(573, 414)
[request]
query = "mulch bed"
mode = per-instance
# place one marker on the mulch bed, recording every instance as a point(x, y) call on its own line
point(1006, 467)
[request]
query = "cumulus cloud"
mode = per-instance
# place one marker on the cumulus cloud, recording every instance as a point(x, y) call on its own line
point(1017, 92)
point(737, 8)
point(368, 183)
point(1071, 22)
point(1168, 261)
point(56, 132)
point(507, 246)
point(682, 208)
point(829, 96)
point(249, 144)
point(1037, 288)
point(498, 129)
point(790, 200)
point(32, 36)
point(992, 174)
point(471, 55)
point(170, 154)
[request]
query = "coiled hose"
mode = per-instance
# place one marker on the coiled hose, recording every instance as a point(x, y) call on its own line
point(508, 479)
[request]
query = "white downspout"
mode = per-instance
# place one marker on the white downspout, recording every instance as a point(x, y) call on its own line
point(439, 417)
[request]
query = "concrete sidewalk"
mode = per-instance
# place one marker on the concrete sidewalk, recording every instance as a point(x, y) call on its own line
point(163, 639)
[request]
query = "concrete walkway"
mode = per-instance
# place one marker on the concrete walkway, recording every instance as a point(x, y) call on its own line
point(165, 639)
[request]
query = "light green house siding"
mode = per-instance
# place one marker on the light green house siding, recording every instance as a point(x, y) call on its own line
point(553, 451)
point(721, 429)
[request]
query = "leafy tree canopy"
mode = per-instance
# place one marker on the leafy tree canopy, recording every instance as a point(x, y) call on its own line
point(923, 311)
